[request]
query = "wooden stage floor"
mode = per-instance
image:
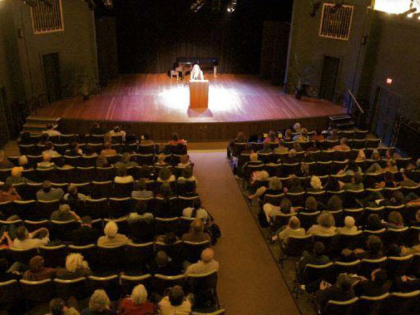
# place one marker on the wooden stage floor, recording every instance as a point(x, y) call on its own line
point(159, 105)
point(157, 98)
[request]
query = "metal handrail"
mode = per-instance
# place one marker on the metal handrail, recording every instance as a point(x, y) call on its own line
point(354, 99)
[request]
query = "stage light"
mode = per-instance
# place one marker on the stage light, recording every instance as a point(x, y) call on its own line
point(231, 6)
point(389, 81)
point(407, 13)
point(394, 6)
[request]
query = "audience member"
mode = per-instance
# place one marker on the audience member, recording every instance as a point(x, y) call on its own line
point(76, 267)
point(8, 193)
point(177, 140)
point(99, 304)
point(341, 291)
point(51, 132)
point(102, 160)
point(291, 230)
point(196, 233)
point(37, 270)
point(96, 130)
point(48, 193)
point(196, 211)
point(376, 286)
point(175, 302)
point(205, 265)
point(64, 214)
point(24, 162)
point(325, 226)
point(16, 177)
point(108, 150)
point(184, 161)
point(137, 303)
point(165, 176)
point(140, 214)
point(140, 190)
point(85, 234)
point(49, 149)
point(111, 237)
point(349, 227)
point(117, 132)
point(122, 177)
point(74, 150)
point(281, 149)
point(126, 161)
point(25, 240)
point(58, 307)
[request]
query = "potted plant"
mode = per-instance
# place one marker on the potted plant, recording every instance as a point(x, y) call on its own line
point(85, 84)
point(301, 76)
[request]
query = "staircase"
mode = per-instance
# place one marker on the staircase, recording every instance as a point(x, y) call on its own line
point(36, 124)
point(342, 122)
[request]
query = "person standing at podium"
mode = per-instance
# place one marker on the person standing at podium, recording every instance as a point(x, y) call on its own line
point(196, 73)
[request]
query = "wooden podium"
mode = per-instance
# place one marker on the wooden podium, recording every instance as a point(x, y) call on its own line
point(199, 94)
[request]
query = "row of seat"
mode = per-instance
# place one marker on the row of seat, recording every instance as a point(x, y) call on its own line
point(336, 243)
point(358, 144)
point(116, 287)
point(134, 257)
point(113, 207)
point(34, 149)
point(141, 230)
point(388, 303)
point(86, 174)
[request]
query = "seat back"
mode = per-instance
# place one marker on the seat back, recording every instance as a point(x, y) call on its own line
point(54, 256)
point(371, 305)
point(204, 288)
point(369, 265)
point(22, 255)
point(314, 273)
point(340, 307)
point(76, 287)
point(109, 258)
point(137, 256)
point(161, 283)
point(37, 291)
point(109, 283)
point(193, 250)
point(402, 302)
point(10, 292)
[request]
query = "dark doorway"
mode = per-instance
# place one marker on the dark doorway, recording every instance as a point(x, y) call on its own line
point(51, 64)
point(4, 128)
point(386, 108)
point(329, 77)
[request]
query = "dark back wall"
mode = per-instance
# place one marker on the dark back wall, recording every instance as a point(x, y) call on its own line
point(395, 47)
point(153, 33)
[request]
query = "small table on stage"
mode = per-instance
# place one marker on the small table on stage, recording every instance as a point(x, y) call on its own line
point(199, 94)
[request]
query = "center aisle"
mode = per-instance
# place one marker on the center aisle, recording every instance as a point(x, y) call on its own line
point(249, 280)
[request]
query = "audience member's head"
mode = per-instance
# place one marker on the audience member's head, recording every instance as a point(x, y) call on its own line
point(374, 244)
point(165, 174)
point(344, 283)
point(395, 218)
point(253, 157)
point(57, 306)
point(22, 233)
point(207, 255)
point(111, 229)
point(17, 172)
point(349, 222)
point(311, 204)
point(326, 219)
point(197, 226)
point(176, 296)
point(46, 186)
point(121, 171)
point(316, 183)
point(319, 249)
point(334, 203)
point(36, 264)
point(285, 205)
point(379, 277)
point(99, 301)
point(75, 261)
point(294, 223)
point(139, 294)
point(275, 183)
point(23, 160)
point(161, 259)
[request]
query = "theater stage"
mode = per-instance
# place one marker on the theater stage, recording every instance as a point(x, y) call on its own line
point(159, 105)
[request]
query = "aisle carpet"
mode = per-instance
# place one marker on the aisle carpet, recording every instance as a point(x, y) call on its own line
point(250, 282)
